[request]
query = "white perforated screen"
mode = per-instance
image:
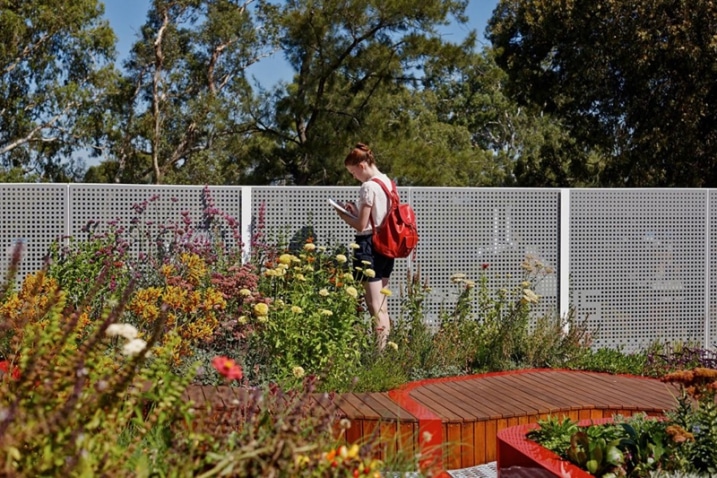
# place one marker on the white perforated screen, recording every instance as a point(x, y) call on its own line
point(640, 260)
point(34, 215)
point(637, 263)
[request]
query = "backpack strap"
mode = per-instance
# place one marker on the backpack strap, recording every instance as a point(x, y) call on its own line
point(391, 204)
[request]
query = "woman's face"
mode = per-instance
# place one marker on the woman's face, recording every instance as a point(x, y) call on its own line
point(358, 171)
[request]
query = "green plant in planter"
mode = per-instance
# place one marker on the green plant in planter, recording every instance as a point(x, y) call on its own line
point(598, 455)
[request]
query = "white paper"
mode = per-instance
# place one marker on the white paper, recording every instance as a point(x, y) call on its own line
point(339, 207)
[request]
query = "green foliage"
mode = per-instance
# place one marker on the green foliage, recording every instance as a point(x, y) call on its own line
point(68, 402)
point(595, 454)
point(630, 80)
point(683, 441)
point(312, 323)
point(55, 61)
point(610, 360)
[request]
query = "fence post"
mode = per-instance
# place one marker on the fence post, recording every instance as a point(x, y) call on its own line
point(706, 341)
point(246, 222)
point(564, 254)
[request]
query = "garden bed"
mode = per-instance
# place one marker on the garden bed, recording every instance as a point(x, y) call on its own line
point(520, 457)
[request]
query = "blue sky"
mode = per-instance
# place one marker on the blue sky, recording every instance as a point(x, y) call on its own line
point(126, 17)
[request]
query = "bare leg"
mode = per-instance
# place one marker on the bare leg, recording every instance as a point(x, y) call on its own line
point(377, 307)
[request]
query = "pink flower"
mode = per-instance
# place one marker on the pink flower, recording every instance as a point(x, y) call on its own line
point(228, 368)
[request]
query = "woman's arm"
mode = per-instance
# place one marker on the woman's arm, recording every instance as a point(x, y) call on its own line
point(362, 219)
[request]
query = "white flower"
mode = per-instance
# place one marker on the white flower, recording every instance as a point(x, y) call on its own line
point(298, 371)
point(458, 277)
point(127, 331)
point(296, 309)
point(309, 247)
point(353, 245)
point(530, 297)
point(350, 290)
point(369, 273)
point(324, 292)
point(326, 312)
point(134, 347)
point(245, 292)
point(340, 258)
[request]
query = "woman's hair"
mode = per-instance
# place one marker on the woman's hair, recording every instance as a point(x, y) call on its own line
point(361, 153)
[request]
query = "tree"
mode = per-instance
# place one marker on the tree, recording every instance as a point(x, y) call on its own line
point(521, 145)
point(352, 61)
point(181, 100)
point(633, 81)
point(55, 57)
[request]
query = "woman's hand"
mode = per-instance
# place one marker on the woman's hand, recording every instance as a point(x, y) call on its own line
point(350, 207)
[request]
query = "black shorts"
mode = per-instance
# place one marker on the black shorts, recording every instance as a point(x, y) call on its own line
point(381, 265)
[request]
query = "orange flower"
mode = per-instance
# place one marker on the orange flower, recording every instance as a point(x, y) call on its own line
point(228, 368)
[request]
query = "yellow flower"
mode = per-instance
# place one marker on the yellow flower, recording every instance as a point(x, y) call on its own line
point(309, 247)
point(350, 290)
point(366, 263)
point(245, 292)
point(369, 273)
point(298, 371)
point(340, 258)
point(393, 345)
point(300, 277)
point(353, 245)
point(282, 266)
point(262, 319)
point(285, 259)
point(296, 309)
point(348, 276)
point(242, 319)
point(324, 292)
point(386, 292)
point(261, 309)
point(326, 312)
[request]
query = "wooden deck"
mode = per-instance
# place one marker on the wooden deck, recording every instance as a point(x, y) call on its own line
point(455, 420)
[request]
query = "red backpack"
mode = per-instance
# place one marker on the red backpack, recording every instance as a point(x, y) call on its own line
point(398, 235)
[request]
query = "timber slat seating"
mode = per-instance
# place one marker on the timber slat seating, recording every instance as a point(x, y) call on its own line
point(464, 414)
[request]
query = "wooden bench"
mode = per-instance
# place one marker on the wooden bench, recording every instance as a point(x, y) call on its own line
point(459, 417)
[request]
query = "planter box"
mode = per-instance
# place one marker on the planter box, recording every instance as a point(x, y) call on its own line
point(519, 457)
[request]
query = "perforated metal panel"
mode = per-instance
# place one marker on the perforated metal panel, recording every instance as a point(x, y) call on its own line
point(145, 212)
point(637, 263)
point(34, 215)
point(711, 254)
point(461, 229)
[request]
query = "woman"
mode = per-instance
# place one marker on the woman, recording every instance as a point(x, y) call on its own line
point(372, 205)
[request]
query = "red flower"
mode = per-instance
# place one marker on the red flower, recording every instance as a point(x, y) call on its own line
point(228, 368)
point(5, 368)
point(485, 266)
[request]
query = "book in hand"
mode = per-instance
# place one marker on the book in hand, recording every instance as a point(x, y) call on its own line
point(340, 208)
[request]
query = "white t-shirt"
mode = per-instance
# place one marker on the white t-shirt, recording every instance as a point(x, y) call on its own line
point(372, 194)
